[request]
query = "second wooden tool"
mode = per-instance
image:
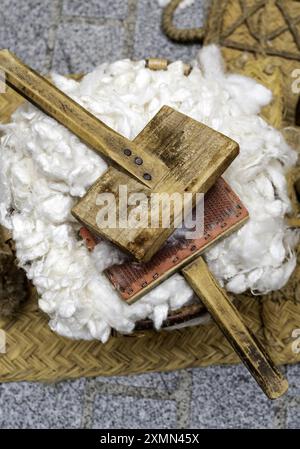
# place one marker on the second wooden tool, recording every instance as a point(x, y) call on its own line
point(173, 154)
point(224, 214)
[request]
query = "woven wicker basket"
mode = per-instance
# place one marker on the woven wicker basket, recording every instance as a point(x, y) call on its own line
point(273, 114)
point(36, 353)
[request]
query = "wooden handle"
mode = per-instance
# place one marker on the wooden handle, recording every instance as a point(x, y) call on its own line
point(228, 319)
point(141, 164)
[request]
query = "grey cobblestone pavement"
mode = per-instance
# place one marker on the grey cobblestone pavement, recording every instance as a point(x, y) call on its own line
point(73, 36)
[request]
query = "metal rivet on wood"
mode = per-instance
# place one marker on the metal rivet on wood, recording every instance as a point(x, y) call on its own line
point(138, 161)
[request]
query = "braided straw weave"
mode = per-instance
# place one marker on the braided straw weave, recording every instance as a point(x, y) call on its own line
point(35, 353)
point(248, 30)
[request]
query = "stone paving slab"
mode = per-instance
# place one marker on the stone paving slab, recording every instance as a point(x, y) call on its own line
point(40, 406)
point(151, 42)
point(130, 412)
point(24, 28)
point(293, 416)
point(227, 397)
point(293, 375)
point(156, 381)
point(81, 47)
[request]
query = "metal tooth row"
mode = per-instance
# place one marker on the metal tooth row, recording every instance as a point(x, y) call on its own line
point(138, 161)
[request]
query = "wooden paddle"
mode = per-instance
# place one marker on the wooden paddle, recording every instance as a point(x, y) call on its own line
point(224, 214)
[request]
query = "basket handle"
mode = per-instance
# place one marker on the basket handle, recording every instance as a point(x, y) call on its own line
point(227, 317)
point(177, 34)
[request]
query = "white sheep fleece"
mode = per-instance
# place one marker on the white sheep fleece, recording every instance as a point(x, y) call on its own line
point(45, 169)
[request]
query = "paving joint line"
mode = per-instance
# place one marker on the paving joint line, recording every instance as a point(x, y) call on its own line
point(130, 29)
point(88, 404)
point(90, 20)
point(183, 397)
point(57, 6)
point(132, 391)
point(280, 412)
point(281, 407)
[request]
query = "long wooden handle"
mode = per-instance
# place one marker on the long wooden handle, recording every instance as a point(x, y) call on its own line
point(228, 319)
point(140, 163)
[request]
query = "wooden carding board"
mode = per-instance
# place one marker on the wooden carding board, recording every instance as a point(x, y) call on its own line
point(196, 156)
point(223, 213)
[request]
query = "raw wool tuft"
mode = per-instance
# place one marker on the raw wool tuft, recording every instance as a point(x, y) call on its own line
point(183, 4)
point(44, 169)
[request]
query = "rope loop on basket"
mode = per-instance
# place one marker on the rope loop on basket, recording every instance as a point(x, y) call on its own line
point(176, 34)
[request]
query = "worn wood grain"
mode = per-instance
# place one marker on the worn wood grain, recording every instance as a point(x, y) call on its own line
point(85, 125)
point(229, 321)
point(195, 155)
